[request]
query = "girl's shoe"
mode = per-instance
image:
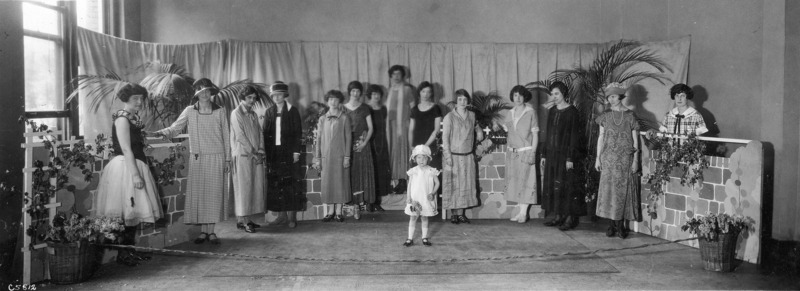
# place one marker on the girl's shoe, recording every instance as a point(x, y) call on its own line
point(201, 238)
point(408, 243)
point(463, 219)
point(426, 242)
point(339, 218)
point(454, 219)
point(327, 218)
point(213, 239)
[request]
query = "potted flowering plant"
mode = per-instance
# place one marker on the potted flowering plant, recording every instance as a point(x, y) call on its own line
point(718, 234)
point(73, 256)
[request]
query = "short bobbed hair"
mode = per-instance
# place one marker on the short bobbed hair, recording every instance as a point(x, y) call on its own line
point(334, 94)
point(124, 94)
point(355, 85)
point(681, 88)
point(462, 92)
point(247, 92)
point(526, 95)
point(400, 68)
point(374, 89)
point(561, 87)
point(423, 85)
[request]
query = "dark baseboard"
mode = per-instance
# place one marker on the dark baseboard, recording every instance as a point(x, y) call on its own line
point(780, 257)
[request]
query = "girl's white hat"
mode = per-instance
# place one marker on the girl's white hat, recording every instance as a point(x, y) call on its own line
point(421, 150)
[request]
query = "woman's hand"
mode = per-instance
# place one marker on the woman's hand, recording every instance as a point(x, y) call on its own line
point(227, 167)
point(346, 163)
point(431, 196)
point(448, 160)
point(296, 157)
point(138, 183)
point(597, 164)
point(634, 166)
point(530, 158)
point(361, 146)
point(569, 165)
point(541, 166)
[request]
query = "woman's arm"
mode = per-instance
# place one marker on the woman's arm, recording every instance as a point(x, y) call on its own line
point(411, 125)
point(238, 129)
point(369, 133)
point(226, 138)
point(177, 126)
point(348, 140)
point(437, 125)
point(446, 130)
point(600, 146)
point(296, 133)
point(635, 165)
point(124, 137)
point(317, 160)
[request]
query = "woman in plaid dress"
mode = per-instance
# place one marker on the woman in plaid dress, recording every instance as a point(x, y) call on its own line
point(683, 119)
point(209, 155)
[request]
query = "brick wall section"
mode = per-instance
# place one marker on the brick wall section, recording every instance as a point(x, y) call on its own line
point(731, 185)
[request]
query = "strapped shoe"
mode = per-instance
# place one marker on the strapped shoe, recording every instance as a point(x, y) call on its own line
point(426, 242)
point(201, 238)
point(408, 243)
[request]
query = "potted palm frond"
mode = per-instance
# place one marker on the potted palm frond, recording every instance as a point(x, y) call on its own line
point(620, 63)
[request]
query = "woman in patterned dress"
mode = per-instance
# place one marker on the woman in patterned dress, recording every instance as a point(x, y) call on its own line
point(362, 181)
point(127, 189)
point(617, 161)
point(458, 147)
point(380, 147)
point(209, 154)
point(522, 126)
point(332, 155)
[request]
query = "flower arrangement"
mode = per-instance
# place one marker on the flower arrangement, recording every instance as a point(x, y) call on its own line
point(713, 225)
point(77, 228)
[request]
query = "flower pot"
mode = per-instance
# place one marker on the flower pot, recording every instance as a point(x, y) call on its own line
point(719, 255)
point(71, 263)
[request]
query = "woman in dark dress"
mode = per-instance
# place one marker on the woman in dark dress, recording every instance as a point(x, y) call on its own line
point(362, 182)
point(561, 193)
point(380, 147)
point(426, 120)
point(282, 133)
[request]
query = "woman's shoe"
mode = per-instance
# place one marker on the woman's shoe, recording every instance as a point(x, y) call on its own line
point(201, 238)
point(239, 225)
point(568, 224)
point(327, 218)
point(623, 232)
point(408, 243)
point(281, 219)
point(140, 256)
point(357, 212)
point(370, 208)
point(339, 218)
point(213, 239)
point(523, 219)
point(249, 228)
point(463, 219)
point(454, 219)
point(250, 223)
point(611, 231)
point(378, 207)
point(127, 259)
point(558, 221)
point(515, 218)
point(426, 242)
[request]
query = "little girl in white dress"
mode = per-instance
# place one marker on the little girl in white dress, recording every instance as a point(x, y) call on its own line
point(423, 183)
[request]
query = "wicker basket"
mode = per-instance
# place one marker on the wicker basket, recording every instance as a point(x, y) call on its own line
point(71, 262)
point(720, 254)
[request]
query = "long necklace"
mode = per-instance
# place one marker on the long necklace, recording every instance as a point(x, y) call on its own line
point(614, 117)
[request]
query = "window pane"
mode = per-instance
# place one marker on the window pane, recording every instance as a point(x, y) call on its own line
point(90, 15)
point(43, 75)
point(37, 18)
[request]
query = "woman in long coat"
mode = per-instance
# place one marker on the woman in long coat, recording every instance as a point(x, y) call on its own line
point(522, 126)
point(458, 146)
point(332, 155)
point(618, 196)
point(209, 152)
point(282, 132)
point(247, 149)
point(399, 101)
point(561, 189)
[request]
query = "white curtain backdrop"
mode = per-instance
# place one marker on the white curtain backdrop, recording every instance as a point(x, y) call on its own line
point(312, 68)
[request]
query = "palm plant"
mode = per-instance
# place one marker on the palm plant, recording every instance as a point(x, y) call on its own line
point(170, 89)
point(614, 64)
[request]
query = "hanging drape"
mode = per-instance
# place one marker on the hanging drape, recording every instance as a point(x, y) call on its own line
point(312, 68)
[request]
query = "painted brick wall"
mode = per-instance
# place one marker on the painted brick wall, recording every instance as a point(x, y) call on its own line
point(732, 185)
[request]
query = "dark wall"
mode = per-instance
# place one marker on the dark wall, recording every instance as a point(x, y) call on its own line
point(12, 80)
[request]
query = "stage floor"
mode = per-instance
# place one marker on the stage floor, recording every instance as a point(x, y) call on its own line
point(368, 254)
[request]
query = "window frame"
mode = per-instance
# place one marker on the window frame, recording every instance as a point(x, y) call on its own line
point(67, 42)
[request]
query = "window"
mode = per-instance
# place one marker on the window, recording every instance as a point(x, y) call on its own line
point(48, 62)
point(90, 15)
